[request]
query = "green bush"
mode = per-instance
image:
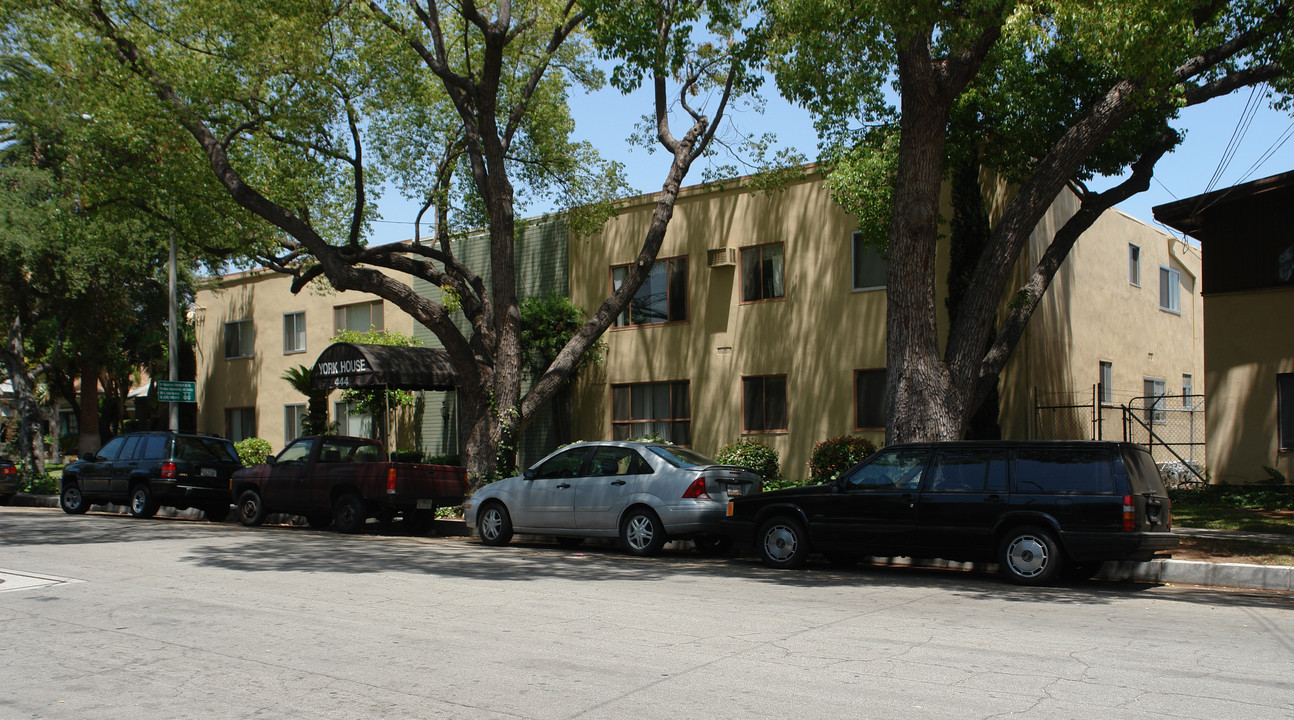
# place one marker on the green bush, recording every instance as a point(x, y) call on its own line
point(45, 484)
point(444, 460)
point(253, 450)
point(1253, 497)
point(836, 455)
point(407, 456)
point(758, 457)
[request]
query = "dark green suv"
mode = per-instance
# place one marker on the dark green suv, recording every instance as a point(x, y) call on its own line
point(147, 470)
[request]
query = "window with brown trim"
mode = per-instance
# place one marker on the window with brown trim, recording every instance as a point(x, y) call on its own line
point(869, 399)
point(1285, 411)
point(662, 297)
point(664, 408)
point(762, 273)
point(763, 400)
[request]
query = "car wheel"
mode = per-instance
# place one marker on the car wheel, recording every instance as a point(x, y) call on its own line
point(567, 541)
point(142, 504)
point(217, 512)
point(72, 501)
point(251, 509)
point(713, 545)
point(493, 525)
point(348, 514)
point(1029, 556)
point(319, 521)
point(783, 543)
point(641, 532)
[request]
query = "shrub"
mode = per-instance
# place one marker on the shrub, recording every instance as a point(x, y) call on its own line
point(759, 458)
point(407, 456)
point(836, 455)
point(444, 460)
point(253, 450)
point(45, 484)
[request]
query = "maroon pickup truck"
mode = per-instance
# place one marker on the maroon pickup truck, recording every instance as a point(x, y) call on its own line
point(343, 481)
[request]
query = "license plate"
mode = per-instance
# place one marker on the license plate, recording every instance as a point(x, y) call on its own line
point(734, 490)
point(426, 504)
point(208, 472)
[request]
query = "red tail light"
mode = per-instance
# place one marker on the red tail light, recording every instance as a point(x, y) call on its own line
point(168, 471)
point(390, 481)
point(9, 470)
point(697, 490)
point(1129, 514)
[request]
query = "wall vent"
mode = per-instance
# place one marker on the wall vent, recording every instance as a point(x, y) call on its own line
point(721, 257)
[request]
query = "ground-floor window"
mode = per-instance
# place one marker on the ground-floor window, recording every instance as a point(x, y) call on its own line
point(1285, 405)
point(664, 408)
point(240, 423)
point(763, 402)
point(294, 422)
point(351, 422)
point(869, 399)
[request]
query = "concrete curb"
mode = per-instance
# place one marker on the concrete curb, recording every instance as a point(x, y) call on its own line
point(1184, 572)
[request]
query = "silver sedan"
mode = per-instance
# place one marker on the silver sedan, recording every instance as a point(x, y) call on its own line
point(646, 494)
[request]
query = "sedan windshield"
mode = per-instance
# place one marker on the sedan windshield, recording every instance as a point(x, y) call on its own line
point(681, 457)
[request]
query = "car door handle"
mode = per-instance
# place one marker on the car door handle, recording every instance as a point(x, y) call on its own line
point(563, 486)
point(995, 499)
point(617, 482)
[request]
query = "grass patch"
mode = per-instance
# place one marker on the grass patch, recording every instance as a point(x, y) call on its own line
point(1228, 518)
point(1239, 551)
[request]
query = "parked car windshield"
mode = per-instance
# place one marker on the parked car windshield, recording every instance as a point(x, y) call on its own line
point(681, 457)
point(204, 450)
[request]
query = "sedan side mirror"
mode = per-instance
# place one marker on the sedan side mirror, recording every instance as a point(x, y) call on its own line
point(529, 474)
point(88, 457)
point(269, 459)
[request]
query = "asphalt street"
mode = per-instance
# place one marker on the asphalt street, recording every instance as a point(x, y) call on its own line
point(104, 617)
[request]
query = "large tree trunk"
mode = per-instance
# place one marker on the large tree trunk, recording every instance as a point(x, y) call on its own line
point(89, 420)
point(31, 448)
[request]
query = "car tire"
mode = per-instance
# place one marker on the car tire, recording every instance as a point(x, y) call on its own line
point(782, 543)
point(216, 512)
point(568, 541)
point(251, 509)
point(72, 501)
point(142, 503)
point(641, 532)
point(713, 545)
point(348, 514)
point(319, 521)
point(1029, 555)
point(493, 525)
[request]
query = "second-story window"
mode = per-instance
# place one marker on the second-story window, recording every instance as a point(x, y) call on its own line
point(662, 297)
point(869, 267)
point(1170, 290)
point(238, 339)
point(360, 317)
point(761, 272)
point(1134, 265)
point(294, 332)
point(763, 403)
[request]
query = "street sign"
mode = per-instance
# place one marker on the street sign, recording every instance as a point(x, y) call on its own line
point(176, 391)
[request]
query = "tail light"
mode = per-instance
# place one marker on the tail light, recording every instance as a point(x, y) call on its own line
point(1129, 514)
point(168, 471)
point(390, 481)
point(9, 470)
point(697, 490)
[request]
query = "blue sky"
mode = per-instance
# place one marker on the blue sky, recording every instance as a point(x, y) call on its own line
point(607, 119)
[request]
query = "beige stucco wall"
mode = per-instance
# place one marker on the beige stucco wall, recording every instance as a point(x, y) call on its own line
point(1092, 313)
point(817, 336)
point(256, 382)
point(1248, 340)
point(822, 332)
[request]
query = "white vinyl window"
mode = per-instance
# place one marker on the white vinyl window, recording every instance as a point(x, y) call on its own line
point(1134, 265)
point(359, 317)
point(1155, 402)
point(1106, 386)
point(352, 422)
point(1170, 290)
point(294, 422)
point(294, 333)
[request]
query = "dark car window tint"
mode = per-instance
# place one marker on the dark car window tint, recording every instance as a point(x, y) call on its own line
point(196, 450)
point(1063, 470)
point(617, 461)
point(681, 457)
point(109, 451)
point(154, 447)
point(1143, 474)
point(565, 465)
point(298, 451)
point(128, 449)
point(222, 449)
point(897, 470)
point(968, 471)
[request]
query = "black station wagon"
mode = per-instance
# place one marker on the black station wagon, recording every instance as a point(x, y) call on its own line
point(1036, 508)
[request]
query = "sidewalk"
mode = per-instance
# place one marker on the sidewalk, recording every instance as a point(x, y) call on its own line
point(1183, 572)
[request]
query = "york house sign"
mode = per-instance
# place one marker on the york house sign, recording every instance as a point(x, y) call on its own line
point(355, 365)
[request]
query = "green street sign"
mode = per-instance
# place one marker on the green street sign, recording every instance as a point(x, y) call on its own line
point(176, 391)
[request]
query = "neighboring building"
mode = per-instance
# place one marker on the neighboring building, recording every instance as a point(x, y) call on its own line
point(251, 329)
point(764, 319)
point(1249, 324)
